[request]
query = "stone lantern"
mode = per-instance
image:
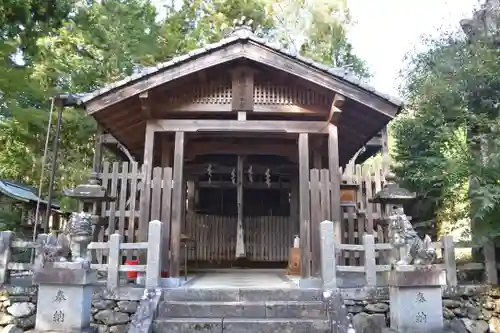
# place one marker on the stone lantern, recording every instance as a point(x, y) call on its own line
point(392, 196)
point(89, 195)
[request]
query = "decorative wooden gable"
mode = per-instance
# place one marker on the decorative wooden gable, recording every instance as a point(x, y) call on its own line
point(245, 88)
point(201, 95)
point(275, 95)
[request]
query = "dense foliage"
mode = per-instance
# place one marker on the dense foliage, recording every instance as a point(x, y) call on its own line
point(447, 142)
point(50, 46)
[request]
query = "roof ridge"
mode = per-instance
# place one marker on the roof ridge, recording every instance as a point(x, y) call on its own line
point(340, 73)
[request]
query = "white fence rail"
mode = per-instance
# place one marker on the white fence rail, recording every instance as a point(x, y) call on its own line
point(113, 247)
point(369, 248)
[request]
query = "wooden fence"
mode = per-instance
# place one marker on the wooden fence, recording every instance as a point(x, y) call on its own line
point(359, 184)
point(138, 200)
point(112, 248)
point(447, 261)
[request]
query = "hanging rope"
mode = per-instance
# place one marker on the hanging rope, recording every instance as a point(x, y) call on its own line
point(40, 184)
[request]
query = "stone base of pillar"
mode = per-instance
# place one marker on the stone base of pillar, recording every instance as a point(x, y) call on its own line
point(64, 298)
point(416, 299)
point(311, 283)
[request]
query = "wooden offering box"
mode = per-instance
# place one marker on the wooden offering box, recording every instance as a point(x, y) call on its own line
point(294, 262)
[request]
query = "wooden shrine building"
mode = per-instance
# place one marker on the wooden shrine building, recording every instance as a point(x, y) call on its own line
point(226, 137)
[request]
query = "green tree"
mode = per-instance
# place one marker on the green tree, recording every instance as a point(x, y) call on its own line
point(447, 142)
point(317, 29)
point(78, 46)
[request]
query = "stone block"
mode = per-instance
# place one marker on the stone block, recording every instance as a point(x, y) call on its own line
point(416, 301)
point(64, 276)
point(183, 325)
point(211, 310)
point(411, 276)
point(201, 295)
point(63, 308)
point(303, 310)
point(275, 326)
point(263, 295)
point(369, 323)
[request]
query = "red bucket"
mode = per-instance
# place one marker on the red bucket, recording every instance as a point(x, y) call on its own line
point(132, 275)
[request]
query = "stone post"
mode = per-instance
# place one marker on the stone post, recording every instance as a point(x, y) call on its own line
point(64, 297)
point(327, 252)
point(416, 299)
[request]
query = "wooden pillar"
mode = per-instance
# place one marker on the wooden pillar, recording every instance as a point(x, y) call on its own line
point(385, 151)
point(333, 166)
point(240, 237)
point(177, 204)
point(146, 191)
point(305, 218)
point(315, 215)
point(97, 162)
point(166, 162)
point(294, 202)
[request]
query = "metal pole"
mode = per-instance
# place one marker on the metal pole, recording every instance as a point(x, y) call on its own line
point(55, 150)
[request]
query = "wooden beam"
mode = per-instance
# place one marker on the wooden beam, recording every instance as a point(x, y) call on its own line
point(335, 110)
point(199, 148)
point(335, 180)
point(146, 104)
point(270, 126)
point(242, 89)
point(305, 214)
point(275, 109)
point(177, 198)
point(246, 185)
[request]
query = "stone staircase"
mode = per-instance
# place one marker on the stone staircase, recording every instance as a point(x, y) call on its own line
point(242, 310)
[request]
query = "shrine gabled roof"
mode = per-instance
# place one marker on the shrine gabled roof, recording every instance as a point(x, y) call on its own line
point(339, 73)
point(20, 192)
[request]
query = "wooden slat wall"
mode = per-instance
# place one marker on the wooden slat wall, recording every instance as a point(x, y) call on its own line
point(360, 216)
point(125, 181)
point(267, 238)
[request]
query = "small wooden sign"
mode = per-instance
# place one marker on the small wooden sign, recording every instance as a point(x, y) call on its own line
point(242, 89)
point(348, 195)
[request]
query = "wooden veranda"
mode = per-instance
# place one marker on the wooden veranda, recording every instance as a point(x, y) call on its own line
point(247, 121)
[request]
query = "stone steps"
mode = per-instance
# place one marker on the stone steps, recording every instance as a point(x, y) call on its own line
point(241, 295)
point(240, 325)
point(242, 310)
point(277, 309)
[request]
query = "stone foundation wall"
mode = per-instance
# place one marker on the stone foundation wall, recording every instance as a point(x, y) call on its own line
point(112, 316)
point(464, 311)
point(111, 311)
point(18, 306)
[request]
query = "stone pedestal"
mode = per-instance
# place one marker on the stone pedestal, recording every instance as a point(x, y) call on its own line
point(416, 300)
point(64, 298)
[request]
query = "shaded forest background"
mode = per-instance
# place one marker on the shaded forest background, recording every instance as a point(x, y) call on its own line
point(445, 144)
